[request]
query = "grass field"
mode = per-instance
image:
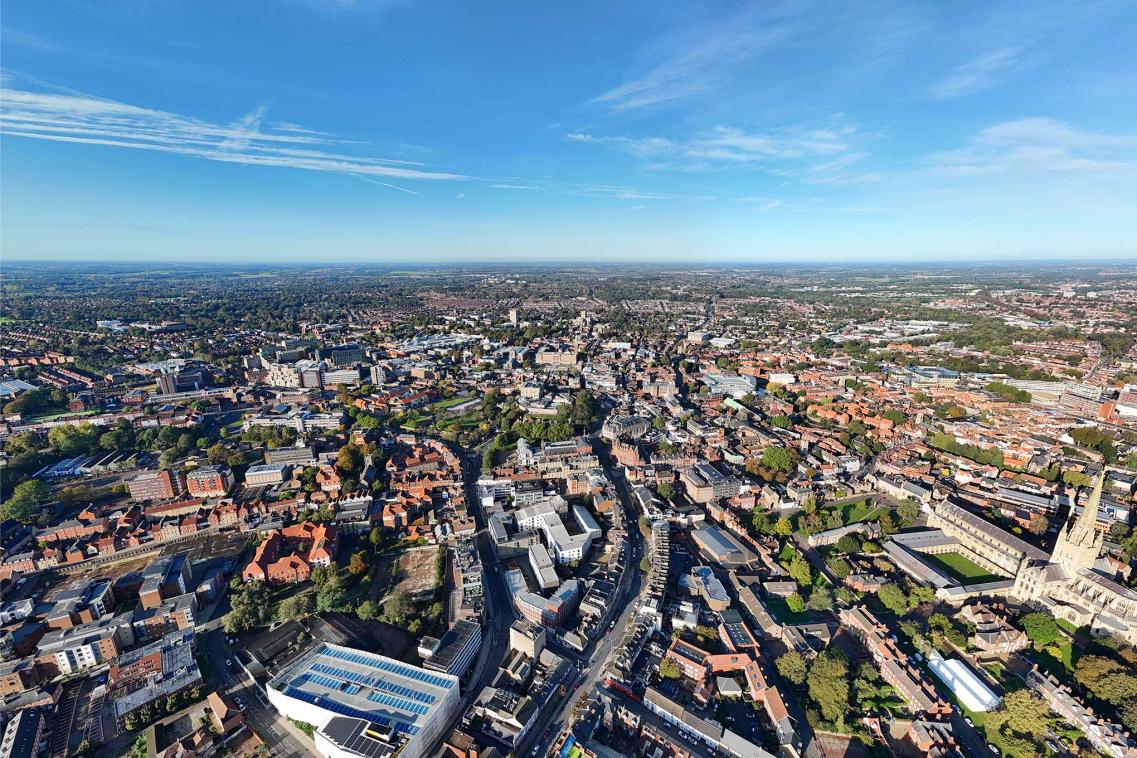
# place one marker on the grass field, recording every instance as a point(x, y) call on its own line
point(450, 402)
point(961, 568)
point(863, 511)
point(782, 613)
point(1067, 627)
point(61, 414)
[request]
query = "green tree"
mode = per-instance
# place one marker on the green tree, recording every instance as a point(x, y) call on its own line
point(296, 606)
point(1040, 628)
point(217, 453)
point(778, 458)
point(895, 416)
point(908, 512)
point(791, 666)
point(349, 460)
point(839, 566)
point(829, 685)
point(583, 409)
point(1022, 712)
point(800, 571)
point(821, 599)
point(358, 563)
point(893, 598)
point(368, 610)
point(396, 607)
point(73, 439)
point(321, 574)
point(665, 489)
point(26, 501)
point(795, 603)
point(783, 527)
point(1111, 681)
point(669, 670)
point(920, 595)
point(249, 609)
point(332, 596)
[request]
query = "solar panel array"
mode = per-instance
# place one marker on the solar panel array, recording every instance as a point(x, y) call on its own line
point(391, 666)
point(375, 683)
point(347, 710)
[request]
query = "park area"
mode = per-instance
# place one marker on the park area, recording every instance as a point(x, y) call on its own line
point(864, 510)
point(960, 568)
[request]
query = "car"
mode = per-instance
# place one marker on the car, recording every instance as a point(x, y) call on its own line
point(969, 721)
point(994, 749)
point(229, 663)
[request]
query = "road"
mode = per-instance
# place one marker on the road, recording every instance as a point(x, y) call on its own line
point(281, 738)
point(582, 680)
point(496, 610)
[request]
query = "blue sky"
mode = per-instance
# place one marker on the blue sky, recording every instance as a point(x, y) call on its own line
point(315, 130)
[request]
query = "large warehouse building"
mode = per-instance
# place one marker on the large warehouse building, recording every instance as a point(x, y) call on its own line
point(363, 704)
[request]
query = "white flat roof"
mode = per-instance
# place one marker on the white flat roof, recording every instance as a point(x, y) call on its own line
point(964, 683)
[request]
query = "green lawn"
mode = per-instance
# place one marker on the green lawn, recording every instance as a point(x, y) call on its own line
point(450, 402)
point(415, 420)
point(863, 511)
point(960, 568)
point(1066, 626)
point(61, 414)
point(781, 612)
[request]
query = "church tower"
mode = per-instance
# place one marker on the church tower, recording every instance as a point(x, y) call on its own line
point(1079, 542)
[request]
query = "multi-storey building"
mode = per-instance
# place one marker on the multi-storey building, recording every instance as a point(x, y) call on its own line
point(210, 481)
point(893, 663)
point(705, 483)
point(79, 647)
point(380, 706)
point(166, 577)
point(157, 485)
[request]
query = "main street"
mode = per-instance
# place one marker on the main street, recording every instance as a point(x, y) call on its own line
point(590, 665)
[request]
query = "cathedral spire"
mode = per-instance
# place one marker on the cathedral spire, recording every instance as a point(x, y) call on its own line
point(1088, 520)
point(1079, 543)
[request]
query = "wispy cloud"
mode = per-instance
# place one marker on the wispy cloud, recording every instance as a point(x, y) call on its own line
point(1039, 146)
point(628, 193)
point(1001, 40)
point(511, 186)
point(19, 38)
point(699, 58)
point(813, 156)
point(983, 72)
point(84, 119)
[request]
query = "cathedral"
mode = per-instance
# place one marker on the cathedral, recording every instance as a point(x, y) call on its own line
point(1075, 584)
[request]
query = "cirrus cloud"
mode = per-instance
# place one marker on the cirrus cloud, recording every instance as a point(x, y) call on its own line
point(84, 119)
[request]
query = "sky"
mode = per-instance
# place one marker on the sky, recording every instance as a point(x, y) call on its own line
point(386, 131)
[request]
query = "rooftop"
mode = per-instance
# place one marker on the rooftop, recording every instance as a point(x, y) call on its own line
point(363, 685)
